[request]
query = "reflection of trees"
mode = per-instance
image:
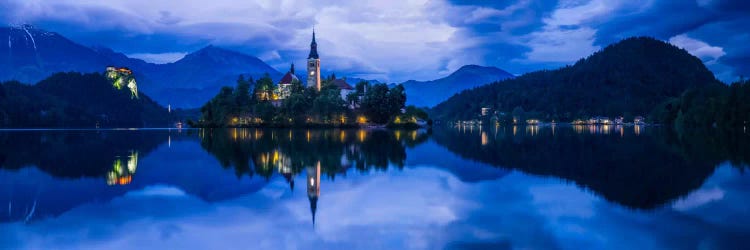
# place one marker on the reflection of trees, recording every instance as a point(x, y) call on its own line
point(266, 151)
point(636, 171)
point(74, 154)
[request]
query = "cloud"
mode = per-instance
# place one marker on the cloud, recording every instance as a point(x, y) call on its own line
point(699, 198)
point(395, 40)
point(564, 37)
point(698, 48)
point(159, 58)
point(560, 45)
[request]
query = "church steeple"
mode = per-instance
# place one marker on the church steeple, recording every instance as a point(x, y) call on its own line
point(313, 207)
point(313, 48)
point(313, 65)
point(313, 188)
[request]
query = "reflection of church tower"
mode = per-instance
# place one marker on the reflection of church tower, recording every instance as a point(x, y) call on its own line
point(313, 188)
point(313, 65)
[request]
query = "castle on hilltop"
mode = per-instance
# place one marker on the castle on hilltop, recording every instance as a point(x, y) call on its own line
point(122, 77)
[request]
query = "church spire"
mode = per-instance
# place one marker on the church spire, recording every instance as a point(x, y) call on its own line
point(313, 48)
point(313, 207)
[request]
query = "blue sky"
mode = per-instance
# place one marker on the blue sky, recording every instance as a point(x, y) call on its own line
point(397, 40)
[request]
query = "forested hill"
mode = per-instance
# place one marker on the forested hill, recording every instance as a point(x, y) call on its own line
point(628, 78)
point(79, 101)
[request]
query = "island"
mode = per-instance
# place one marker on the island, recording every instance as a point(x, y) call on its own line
point(323, 102)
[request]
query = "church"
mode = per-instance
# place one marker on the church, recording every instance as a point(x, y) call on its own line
point(283, 89)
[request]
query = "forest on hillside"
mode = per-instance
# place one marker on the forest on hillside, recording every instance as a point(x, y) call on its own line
point(629, 78)
point(77, 100)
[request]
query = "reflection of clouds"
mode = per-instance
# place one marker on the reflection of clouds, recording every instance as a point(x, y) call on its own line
point(722, 200)
point(418, 208)
point(698, 198)
point(158, 190)
point(397, 209)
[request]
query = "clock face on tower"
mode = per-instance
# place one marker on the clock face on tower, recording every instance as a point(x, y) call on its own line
point(312, 73)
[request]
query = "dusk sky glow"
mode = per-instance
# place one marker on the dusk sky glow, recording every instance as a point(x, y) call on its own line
point(398, 40)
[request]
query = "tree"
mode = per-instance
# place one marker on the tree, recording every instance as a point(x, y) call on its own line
point(242, 94)
point(329, 103)
point(265, 111)
point(518, 114)
point(295, 107)
point(381, 104)
point(263, 88)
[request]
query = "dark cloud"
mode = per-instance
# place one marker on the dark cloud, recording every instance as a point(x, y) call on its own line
point(519, 36)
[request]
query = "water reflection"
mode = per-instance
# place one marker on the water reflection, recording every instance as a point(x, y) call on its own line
point(123, 174)
point(537, 187)
point(114, 156)
point(632, 170)
point(313, 188)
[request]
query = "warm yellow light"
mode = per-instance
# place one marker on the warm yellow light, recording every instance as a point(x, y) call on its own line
point(361, 119)
point(361, 135)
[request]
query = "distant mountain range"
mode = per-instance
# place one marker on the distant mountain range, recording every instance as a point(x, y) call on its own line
point(34, 54)
point(430, 93)
point(627, 78)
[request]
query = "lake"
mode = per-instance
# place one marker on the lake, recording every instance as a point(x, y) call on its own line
point(466, 187)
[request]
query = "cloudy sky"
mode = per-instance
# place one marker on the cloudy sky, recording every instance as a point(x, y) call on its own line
point(396, 40)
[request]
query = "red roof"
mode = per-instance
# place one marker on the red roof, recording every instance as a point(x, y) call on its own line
point(342, 84)
point(287, 79)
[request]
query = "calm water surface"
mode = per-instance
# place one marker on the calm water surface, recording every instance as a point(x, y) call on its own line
point(564, 187)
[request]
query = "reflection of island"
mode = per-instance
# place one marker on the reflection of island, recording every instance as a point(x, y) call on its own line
point(74, 154)
point(60, 162)
point(623, 166)
point(266, 152)
point(123, 175)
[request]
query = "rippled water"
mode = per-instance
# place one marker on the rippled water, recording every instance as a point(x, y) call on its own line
point(562, 187)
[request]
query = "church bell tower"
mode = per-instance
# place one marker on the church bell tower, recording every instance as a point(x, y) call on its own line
point(313, 65)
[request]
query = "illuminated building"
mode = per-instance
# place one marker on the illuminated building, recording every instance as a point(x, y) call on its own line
point(485, 111)
point(284, 88)
point(344, 89)
point(619, 120)
point(122, 77)
point(638, 120)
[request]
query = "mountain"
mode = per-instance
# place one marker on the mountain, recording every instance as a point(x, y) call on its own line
point(354, 80)
point(57, 102)
point(430, 93)
point(194, 79)
point(34, 54)
point(627, 78)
